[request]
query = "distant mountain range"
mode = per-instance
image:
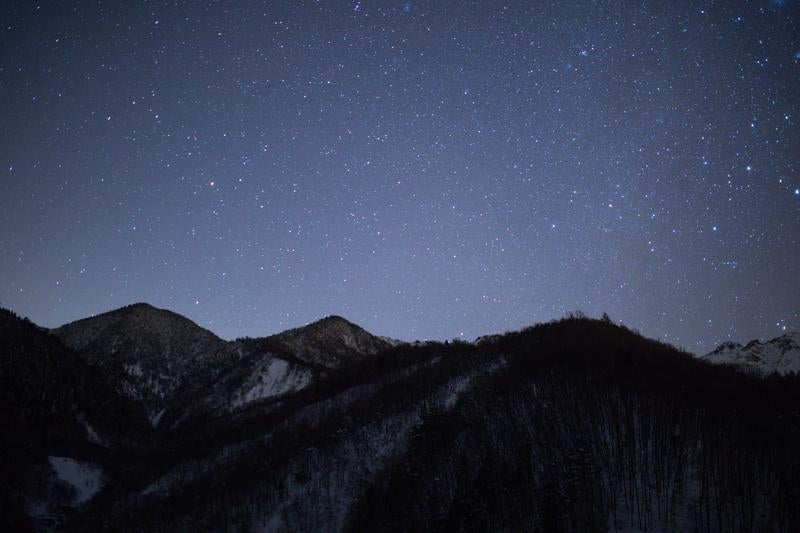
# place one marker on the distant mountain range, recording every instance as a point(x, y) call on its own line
point(139, 419)
point(780, 355)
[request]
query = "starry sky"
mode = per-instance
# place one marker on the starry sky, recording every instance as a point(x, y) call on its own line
point(427, 169)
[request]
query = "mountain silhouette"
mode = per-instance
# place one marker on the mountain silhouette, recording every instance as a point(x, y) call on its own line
point(572, 425)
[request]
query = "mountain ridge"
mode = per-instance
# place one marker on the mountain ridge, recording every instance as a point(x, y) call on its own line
point(779, 355)
point(574, 424)
point(177, 369)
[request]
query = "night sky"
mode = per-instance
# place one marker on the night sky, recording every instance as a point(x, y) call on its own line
point(425, 169)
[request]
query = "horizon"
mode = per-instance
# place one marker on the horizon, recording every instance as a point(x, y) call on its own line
point(570, 314)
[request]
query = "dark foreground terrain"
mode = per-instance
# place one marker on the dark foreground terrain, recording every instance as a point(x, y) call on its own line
point(139, 420)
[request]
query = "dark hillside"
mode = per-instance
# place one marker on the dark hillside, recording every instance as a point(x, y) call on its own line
point(591, 427)
point(49, 397)
point(575, 425)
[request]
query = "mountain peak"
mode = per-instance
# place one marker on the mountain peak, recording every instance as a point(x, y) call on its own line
point(334, 320)
point(143, 307)
point(145, 350)
point(127, 312)
point(330, 341)
point(140, 305)
point(146, 309)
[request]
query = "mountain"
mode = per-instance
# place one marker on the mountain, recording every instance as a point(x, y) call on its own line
point(331, 342)
point(780, 355)
point(178, 370)
point(575, 425)
point(248, 371)
point(236, 375)
point(144, 352)
point(571, 425)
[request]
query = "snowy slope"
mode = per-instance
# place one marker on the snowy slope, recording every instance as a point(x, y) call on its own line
point(780, 355)
point(85, 478)
point(271, 377)
point(233, 376)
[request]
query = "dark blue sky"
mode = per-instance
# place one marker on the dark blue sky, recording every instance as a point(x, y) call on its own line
point(425, 169)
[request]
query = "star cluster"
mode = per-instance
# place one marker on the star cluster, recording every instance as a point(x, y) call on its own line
point(426, 169)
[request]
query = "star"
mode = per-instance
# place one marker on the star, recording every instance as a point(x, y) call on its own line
point(427, 154)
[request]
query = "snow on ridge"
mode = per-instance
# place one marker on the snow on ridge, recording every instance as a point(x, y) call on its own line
point(780, 355)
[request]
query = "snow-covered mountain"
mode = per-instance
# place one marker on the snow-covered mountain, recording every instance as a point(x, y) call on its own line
point(780, 355)
point(144, 351)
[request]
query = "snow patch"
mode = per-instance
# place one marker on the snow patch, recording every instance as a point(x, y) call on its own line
point(91, 434)
point(85, 478)
point(275, 378)
point(156, 418)
point(134, 370)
